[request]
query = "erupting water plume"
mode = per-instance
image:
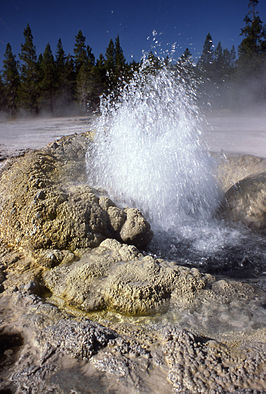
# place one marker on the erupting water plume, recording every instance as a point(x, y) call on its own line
point(148, 150)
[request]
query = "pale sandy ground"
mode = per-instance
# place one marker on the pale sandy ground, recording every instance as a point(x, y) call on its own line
point(225, 132)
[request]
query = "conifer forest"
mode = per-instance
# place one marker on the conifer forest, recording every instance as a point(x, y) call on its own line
point(224, 78)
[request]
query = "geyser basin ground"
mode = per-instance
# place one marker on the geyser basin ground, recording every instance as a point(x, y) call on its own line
point(202, 332)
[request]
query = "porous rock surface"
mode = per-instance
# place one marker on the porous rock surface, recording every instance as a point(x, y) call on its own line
point(48, 350)
point(42, 210)
point(245, 202)
point(232, 167)
point(118, 277)
point(82, 312)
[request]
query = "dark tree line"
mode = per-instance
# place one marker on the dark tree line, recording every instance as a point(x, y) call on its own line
point(232, 81)
point(51, 82)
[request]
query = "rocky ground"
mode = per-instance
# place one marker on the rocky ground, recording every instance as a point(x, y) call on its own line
point(83, 307)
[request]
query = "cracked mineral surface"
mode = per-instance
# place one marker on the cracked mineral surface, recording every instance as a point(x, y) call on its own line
point(84, 308)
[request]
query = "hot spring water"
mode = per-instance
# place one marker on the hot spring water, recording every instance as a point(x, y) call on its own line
point(149, 153)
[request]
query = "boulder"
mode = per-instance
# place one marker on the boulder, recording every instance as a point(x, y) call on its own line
point(233, 167)
point(117, 277)
point(45, 205)
point(245, 202)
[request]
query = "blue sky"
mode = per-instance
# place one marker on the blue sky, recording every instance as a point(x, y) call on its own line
point(185, 22)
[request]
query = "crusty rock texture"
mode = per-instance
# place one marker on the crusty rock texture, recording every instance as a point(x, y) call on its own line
point(243, 180)
point(245, 202)
point(44, 349)
point(234, 167)
point(83, 310)
point(41, 210)
point(118, 277)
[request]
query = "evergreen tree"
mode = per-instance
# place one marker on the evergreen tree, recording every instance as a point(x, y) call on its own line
point(218, 65)
point(70, 75)
point(48, 81)
point(80, 51)
point(251, 65)
point(90, 56)
point(184, 63)
point(60, 70)
point(110, 57)
point(109, 64)
point(206, 71)
point(2, 96)
point(11, 81)
point(218, 54)
point(233, 57)
point(207, 57)
point(65, 77)
point(100, 62)
point(84, 63)
point(60, 59)
point(227, 62)
point(187, 56)
point(120, 60)
point(254, 34)
point(185, 69)
point(29, 88)
point(100, 78)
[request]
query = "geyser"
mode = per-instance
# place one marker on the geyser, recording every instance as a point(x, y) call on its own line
point(148, 150)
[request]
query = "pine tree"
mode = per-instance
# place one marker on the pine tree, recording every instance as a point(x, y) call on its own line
point(218, 65)
point(120, 60)
point(251, 65)
point(3, 107)
point(80, 51)
point(48, 82)
point(99, 72)
point(233, 57)
point(110, 57)
point(83, 87)
point(218, 53)
point(90, 56)
point(101, 81)
point(185, 69)
point(65, 78)
point(206, 72)
point(253, 32)
point(70, 78)
point(11, 81)
point(60, 59)
point(84, 63)
point(207, 57)
point(29, 88)
point(187, 55)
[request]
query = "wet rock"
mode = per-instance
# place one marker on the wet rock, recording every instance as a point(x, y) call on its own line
point(245, 202)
